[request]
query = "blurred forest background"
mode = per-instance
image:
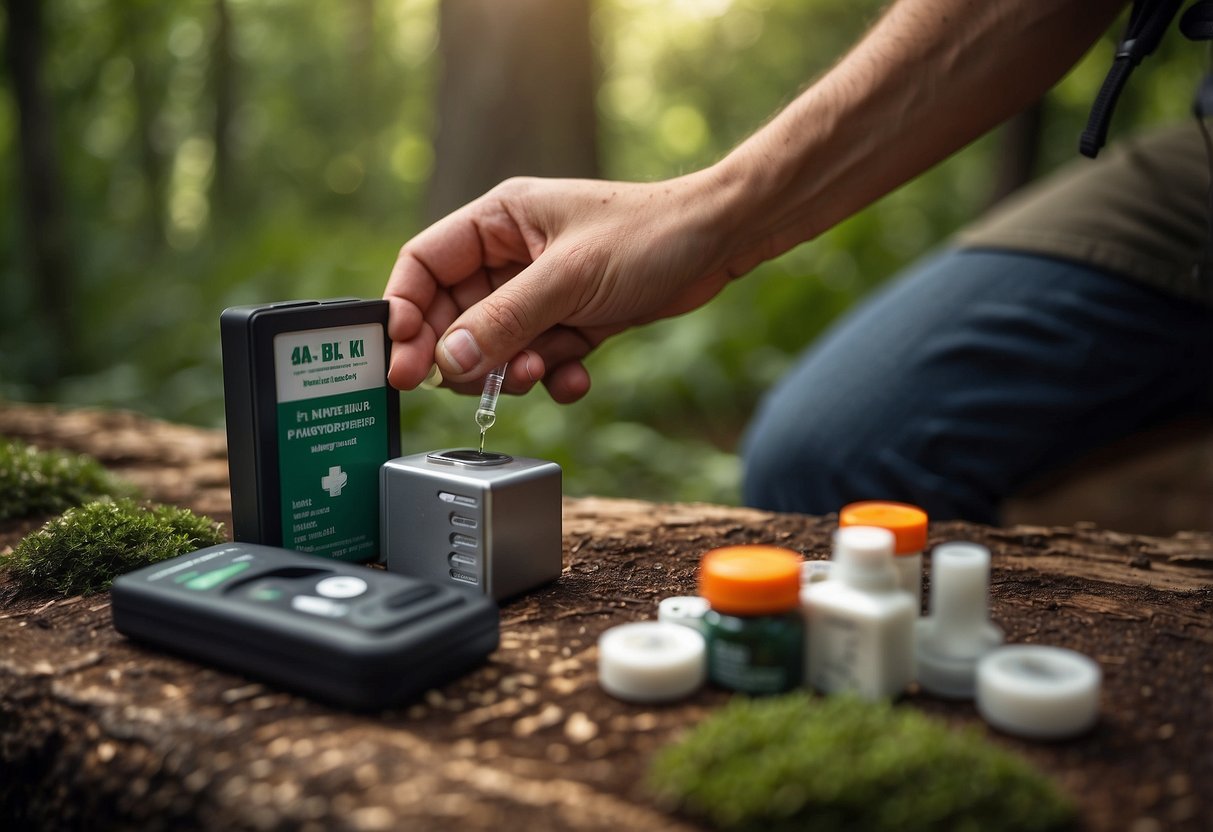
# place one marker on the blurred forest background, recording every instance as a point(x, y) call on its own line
point(164, 160)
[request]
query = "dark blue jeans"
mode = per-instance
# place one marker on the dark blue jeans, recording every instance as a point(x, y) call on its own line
point(970, 376)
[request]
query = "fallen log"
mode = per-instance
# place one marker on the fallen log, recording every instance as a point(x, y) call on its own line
point(96, 731)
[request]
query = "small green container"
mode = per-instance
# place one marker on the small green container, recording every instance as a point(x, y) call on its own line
point(755, 654)
point(754, 630)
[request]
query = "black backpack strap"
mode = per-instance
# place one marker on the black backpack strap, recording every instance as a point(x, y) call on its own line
point(1148, 21)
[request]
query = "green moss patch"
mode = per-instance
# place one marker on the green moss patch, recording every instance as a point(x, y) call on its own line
point(34, 482)
point(83, 550)
point(795, 762)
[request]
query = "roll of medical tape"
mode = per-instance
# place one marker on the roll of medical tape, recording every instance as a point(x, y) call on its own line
point(1038, 692)
point(651, 661)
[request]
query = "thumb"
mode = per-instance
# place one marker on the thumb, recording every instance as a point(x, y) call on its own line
point(493, 331)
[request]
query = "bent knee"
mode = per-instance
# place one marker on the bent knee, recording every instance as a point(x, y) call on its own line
point(804, 469)
point(792, 469)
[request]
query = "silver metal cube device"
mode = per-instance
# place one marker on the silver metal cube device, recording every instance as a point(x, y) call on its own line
point(487, 522)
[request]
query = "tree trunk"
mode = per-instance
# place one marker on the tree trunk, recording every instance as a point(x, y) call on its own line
point(362, 64)
point(147, 104)
point(516, 96)
point(1019, 150)
point(46, 228)
point(363, 114)
point(223, 90)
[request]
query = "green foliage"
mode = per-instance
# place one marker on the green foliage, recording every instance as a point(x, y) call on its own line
point(83, 550)
point(794, 762)
point(329, 148)
point(34, 482)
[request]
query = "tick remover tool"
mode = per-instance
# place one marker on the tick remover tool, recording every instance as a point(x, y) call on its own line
point(310, 418)
point(486, 412)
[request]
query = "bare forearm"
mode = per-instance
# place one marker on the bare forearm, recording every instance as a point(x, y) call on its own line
point(929, 78)
point(539, 272)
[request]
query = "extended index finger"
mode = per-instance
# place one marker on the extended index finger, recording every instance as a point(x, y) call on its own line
point(446, 253)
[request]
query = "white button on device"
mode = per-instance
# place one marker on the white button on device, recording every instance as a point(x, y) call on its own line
point(651, 661)
point(1038, 692)
point(318, 606)
point(341, 586)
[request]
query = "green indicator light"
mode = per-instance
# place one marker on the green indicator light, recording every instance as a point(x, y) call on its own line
point(209, 580)
point(185, 576)
point(266, 593)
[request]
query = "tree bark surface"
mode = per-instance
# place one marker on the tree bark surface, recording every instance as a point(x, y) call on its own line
point(96, 731)
point(44, 218)
point(516, 97)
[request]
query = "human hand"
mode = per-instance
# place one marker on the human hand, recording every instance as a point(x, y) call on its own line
point(538, 272)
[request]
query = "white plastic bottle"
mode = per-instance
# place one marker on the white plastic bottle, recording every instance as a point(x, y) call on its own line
point(958, 632)
point(860, 622)
point(909, 527)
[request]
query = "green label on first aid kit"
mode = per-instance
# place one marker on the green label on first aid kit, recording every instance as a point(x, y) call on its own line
point(332, 438)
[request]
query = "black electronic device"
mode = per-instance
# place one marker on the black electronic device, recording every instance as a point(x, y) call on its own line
point(310, 418)
point(360, 637)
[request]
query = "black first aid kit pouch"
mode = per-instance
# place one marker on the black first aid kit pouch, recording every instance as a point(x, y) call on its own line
point(310, 418)
point(348, 634)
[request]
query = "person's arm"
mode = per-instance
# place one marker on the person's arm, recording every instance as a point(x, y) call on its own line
point(540, 271)
point(927, 79)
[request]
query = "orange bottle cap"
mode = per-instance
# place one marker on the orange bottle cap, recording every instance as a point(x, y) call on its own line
point(750, 580)
point(907, 523)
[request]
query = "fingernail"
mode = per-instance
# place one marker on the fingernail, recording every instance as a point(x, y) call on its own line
point(433, 379)
point(461, 350)
point(530, 371)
